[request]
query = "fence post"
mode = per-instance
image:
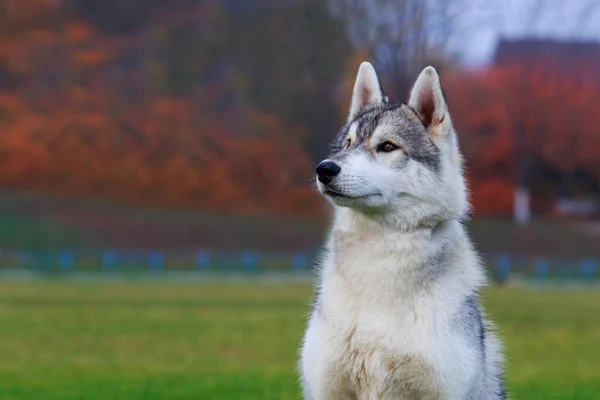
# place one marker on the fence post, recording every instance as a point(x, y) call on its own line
point(203, 260)
point(541, 269)
point(250, 261)
point(66, 261)
point(503, 265)
point(588, 269)
point(109, 261)
point(156, 260)
point(300, 263)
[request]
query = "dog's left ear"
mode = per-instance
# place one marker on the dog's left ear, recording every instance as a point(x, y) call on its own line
point(367, 90)
point(427, 99)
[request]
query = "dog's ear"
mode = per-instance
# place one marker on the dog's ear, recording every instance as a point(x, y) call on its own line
point(367, 90)
point(427, 99)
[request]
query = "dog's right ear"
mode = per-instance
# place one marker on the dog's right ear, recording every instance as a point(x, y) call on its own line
point(367, 90)
point(427, 99)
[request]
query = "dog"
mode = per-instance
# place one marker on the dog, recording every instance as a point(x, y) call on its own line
point(397, 315)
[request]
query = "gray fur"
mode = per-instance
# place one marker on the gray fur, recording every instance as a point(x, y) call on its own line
point(469, 323)
point(433, 268)
point(409, 129)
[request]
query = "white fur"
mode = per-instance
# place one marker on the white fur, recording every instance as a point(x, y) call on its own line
point(366, 83)
point(428, 86)
point(383, 326)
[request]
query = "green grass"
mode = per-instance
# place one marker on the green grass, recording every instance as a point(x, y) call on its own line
point(149, 341)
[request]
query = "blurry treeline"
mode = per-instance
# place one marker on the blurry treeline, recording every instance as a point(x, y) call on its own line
point(531, 120)
point(226, 105)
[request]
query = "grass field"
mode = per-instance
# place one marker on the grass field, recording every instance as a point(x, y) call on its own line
point(149, 341)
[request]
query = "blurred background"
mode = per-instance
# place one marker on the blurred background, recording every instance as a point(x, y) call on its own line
point(158, 222)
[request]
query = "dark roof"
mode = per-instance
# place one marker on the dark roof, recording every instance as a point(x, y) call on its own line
point(556, 51)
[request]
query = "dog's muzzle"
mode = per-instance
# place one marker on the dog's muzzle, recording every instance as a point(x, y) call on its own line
point(327, 170)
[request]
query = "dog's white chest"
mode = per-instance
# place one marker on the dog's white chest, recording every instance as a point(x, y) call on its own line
point(375, 370)
point(375, 349)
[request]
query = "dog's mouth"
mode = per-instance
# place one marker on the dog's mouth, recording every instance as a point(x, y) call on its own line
point(332, 193)
point(335, 194)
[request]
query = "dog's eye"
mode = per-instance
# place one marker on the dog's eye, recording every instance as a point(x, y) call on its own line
point(348, 142)
point(387, 147)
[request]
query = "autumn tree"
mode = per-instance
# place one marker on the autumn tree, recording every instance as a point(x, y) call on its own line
point(532, 123)
point(96, 110)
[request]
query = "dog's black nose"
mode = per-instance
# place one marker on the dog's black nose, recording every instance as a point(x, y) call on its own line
point(326, 170)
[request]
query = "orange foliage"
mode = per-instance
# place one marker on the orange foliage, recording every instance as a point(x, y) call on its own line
point(551, 112)
point(78, 32)
point(75, 132)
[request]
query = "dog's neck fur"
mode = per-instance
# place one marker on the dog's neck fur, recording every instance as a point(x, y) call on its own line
point(364, 250)
point(353, 223)
point(400, 222)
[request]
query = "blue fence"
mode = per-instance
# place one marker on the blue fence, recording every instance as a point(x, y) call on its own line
point(155, 261)
point(501, 267)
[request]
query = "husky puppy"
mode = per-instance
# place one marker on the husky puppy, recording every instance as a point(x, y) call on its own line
point(397, 314)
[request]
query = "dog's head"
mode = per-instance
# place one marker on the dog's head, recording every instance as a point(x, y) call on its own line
point(399, 162)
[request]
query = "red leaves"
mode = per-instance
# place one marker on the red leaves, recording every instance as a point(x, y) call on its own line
point(552, 111)
point(74, 129)
point(157, 158)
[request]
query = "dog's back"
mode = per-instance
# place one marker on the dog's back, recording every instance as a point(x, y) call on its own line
point(397, 314)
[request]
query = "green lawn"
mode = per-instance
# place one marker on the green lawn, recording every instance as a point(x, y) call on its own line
point(149, 341)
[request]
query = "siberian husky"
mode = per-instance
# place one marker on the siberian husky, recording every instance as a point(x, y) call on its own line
point(397, 313)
